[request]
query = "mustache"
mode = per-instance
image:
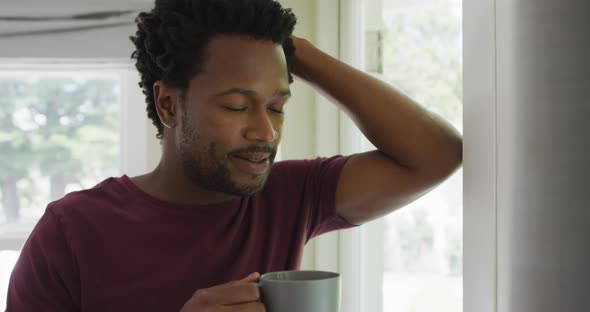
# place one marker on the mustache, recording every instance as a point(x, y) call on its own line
point(256, 149)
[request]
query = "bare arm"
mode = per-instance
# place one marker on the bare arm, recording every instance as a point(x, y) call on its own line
point(416, 150)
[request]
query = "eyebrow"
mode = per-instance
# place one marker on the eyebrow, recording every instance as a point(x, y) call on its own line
point(246, 92)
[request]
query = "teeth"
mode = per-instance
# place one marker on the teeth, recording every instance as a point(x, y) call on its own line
point(254, 158)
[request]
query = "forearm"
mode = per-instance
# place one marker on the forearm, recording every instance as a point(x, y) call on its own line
point(396, 125)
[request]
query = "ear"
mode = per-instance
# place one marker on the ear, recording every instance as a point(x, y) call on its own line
point(167, 104)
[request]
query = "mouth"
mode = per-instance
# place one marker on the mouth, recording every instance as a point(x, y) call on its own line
point(252, 163)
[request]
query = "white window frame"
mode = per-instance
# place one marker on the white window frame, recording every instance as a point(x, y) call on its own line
point(480, 223)
point(361, 249)
point(350, 252)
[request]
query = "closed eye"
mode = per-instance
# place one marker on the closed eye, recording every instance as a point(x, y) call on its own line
point(277, 107)
point(233, 109)
point(276, 111)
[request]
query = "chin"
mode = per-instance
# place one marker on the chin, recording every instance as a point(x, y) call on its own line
point(251, 187)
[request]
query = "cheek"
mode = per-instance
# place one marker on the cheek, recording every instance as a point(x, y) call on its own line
point(225, 133)
point(278, 125)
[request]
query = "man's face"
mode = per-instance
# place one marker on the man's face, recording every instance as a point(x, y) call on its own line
point(232, 115)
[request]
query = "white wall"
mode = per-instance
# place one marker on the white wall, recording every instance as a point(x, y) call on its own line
point(526, 145)
point(299, 130)
point(300, 120)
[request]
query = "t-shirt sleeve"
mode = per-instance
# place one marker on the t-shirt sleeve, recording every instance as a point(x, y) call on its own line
point(45, 276)
point(318, 179)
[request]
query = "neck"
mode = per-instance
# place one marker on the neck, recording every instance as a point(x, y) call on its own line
point(169, 182)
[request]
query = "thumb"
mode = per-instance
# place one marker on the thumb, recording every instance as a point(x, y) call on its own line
point(253, 277)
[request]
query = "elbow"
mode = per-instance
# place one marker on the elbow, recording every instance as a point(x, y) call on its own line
point(445, 160)
point(453, 159)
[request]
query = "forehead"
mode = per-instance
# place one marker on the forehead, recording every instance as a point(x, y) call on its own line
point(236, 61)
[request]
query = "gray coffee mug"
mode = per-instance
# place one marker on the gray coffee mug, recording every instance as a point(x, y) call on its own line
point(300, 291)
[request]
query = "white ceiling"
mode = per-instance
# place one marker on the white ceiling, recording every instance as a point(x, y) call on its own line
point(49, 16)
point(64, 7)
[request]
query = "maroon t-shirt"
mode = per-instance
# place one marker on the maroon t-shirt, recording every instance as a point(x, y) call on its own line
point(115, 248)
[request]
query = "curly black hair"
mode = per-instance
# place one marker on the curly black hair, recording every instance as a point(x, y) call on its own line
point(170, 39)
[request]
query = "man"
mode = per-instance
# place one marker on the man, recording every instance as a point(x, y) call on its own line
point(196, 232)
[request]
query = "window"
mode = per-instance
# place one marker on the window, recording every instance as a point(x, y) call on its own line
point(60, 134)
point(61, 131)
point(421, 54)
point(416, 252)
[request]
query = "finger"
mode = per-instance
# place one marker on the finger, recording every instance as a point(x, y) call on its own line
point(241, 293)
point(230, 294)
point(253, 277)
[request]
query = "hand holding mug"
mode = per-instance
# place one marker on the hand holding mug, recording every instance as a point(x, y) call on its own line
point(238, 296)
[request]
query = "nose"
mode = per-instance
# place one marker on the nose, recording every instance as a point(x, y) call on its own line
point(261, 128)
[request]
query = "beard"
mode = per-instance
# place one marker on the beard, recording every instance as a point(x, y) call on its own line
point(205, 167)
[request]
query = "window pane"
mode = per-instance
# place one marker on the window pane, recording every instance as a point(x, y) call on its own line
point(59, 133)
point(418, 48)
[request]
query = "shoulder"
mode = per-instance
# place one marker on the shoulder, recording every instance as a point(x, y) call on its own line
point(304, 166)
point(298, 172)
point(108, 193)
